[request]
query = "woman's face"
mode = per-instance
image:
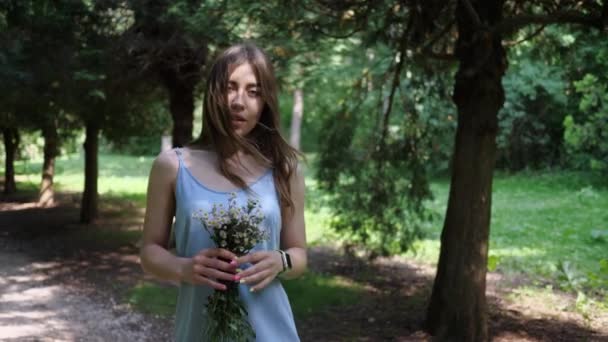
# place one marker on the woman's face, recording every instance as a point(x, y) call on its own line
point(244, 99)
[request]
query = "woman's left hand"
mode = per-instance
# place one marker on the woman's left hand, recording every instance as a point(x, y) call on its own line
point(266, 266)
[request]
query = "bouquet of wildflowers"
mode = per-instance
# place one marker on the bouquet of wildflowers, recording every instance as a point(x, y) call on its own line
point(235, 228)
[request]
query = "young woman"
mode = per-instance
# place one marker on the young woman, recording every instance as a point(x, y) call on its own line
point(239, 151)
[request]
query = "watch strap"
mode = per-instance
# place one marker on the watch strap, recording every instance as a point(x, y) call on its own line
point(288, 260)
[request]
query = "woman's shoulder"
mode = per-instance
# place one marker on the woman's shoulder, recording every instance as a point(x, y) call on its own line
point(166, 163)
point(295, 168)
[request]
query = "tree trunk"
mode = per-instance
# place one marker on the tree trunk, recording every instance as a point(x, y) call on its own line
point(88, 209)
point(457, 310)
point(11, 144)
point(51, 150)
point(296, 118)
point(181, 104)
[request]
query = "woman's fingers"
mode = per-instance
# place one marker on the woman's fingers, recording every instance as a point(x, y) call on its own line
point(257, 277)
point(220, 264)
point(213, 273)
point(216, 264)
point(262, 261)
point(216, 258)
point(252, 258)
point(222, 253)
point(260, 266)
point(210, 282)
point(262, 284)
point(212, 265)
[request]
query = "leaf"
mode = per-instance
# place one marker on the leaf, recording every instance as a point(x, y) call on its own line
point(98, 94)
point(599, 235)
point(493, 262)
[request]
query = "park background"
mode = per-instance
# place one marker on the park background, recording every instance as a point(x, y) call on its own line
point(391, 102)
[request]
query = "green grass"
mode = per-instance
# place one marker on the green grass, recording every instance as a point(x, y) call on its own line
point(97, 237)
point(152, 298)
point(550, 226)
point(119, 176)
point(313, 292)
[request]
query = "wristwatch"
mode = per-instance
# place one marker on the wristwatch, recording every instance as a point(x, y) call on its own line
point(286, 259)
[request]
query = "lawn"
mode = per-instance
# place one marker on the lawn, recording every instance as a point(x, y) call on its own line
point(549, 226)
point(552, 227)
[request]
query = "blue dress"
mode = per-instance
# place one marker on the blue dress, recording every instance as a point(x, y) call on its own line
point(269, 310)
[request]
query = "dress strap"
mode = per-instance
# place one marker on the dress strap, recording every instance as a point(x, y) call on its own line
point(179, 152)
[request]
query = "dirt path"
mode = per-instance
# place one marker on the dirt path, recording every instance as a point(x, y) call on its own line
point(33, 307)
point(54, 290)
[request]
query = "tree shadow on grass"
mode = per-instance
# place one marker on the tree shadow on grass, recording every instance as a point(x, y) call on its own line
point(394, 307)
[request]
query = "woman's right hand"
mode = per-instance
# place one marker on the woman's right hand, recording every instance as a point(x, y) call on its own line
point(209, 266)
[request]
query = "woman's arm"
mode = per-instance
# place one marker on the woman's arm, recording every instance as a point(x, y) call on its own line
point(202, 269)
point(267, 264)
point(160, 209)
point(293, 234)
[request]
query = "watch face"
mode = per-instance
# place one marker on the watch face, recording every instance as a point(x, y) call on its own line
point(288, 257)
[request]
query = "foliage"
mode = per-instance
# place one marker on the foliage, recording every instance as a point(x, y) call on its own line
point(148, 126)
point(376, 178)
point(587, 140)
point(530, 122)
point(543, 99)
point(33, 88)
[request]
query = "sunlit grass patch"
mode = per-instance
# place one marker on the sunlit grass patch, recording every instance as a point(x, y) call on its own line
point(153, 298)
point(117, 173)
point(545, 301)
point(313, 292)
point(540, 222)
point(103, 237)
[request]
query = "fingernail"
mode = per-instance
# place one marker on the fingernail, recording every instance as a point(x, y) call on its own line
point(252, 290)
point(233, 263)
point(236, 278)
point(224, 287)
point(242, 281)
point(239, 270)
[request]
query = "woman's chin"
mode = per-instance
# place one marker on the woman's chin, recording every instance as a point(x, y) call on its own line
point(241, 132)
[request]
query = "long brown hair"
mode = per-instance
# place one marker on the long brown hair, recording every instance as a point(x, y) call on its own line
point(264, 142)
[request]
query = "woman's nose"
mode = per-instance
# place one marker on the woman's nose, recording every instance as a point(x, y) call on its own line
point(237, 99)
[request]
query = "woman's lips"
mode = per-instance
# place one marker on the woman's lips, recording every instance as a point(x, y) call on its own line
point(237, 117)
point(237, 122)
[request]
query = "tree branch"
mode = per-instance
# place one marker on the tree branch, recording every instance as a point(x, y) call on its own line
point(604, 16)
point(428, 45)
point(394, 85)
point(530, 36)
point(449, 57)
point(471, 12)
point(512, 24)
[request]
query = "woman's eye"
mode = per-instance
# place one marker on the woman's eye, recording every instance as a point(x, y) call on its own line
point(254, 93)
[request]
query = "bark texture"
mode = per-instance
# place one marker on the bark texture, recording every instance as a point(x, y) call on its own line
point(296, 118)
point(46, 196)
point(90, 196)
point(181, 105)
point(11, 144)
point(457, 310)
